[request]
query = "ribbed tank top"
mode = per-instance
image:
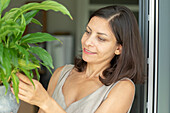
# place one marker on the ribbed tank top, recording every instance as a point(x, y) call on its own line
point(88, 104)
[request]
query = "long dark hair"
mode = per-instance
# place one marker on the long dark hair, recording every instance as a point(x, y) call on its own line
point(130, 63)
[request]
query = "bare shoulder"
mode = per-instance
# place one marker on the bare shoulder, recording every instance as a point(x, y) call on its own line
point(122, 86)
point(53, 80)
point(121, 97)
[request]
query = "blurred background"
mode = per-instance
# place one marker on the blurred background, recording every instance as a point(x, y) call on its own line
point(153, 17)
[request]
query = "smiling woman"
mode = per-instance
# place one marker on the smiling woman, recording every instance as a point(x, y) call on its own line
point(112, 61)
point(98, 42)
point(118, 36)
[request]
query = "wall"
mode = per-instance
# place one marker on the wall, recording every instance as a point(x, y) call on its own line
point(58, 22)
point(14, 3)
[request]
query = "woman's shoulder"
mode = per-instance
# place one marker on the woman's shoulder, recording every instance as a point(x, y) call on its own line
point(123, 91)
point(124, 85)
point(61, 70)
point(124, 82)
point(120, 96)
point(55, 77)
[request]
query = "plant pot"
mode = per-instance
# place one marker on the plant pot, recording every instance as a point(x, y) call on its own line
point(8, 103)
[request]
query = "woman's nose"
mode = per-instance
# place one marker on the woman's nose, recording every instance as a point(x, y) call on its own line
point(89, 41)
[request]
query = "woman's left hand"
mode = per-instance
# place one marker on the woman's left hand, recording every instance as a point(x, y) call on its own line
point(27, 92)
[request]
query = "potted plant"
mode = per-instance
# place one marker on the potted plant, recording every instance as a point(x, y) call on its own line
point(16, 54)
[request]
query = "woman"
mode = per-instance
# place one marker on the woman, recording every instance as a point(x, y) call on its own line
point(102, 81)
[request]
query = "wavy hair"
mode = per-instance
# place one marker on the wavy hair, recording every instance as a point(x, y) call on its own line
point(130, 63)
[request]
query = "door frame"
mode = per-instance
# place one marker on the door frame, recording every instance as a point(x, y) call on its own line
point(153, 56)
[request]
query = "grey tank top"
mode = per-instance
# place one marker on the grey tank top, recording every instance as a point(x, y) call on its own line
point(88, 104)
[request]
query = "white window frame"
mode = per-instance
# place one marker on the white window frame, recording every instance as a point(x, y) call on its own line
point(153, 56)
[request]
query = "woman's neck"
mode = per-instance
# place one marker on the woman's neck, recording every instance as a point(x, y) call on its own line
point(95, 70)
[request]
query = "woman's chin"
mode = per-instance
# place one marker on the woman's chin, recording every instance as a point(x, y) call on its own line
point(88, 60)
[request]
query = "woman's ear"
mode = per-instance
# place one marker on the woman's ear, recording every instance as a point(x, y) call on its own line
point(118, 50)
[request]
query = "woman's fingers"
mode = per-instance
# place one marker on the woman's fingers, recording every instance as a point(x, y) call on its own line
point(12, 90)
point(23, 78)
point(27, 92)
point(24, 85)
point(24, 92)
point(23, 97)
point(21, 92)
point(24, 89)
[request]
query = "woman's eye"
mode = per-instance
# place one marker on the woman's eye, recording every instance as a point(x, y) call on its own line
point(101, 39)
point(87, 32)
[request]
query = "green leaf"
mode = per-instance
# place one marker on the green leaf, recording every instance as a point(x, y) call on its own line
point(37, 37)
point(36, 21)
point(53, 5)
point(15, 13)
point(0, 76)
point(31, 74)
point(29, 66)
point(22, 26)
point(1, 52)
point(23, 20)
point(28, 16)
point(24, 52)
point(23, 23)
point(47, 67)
point(12, 14)
point(37, 73)
point(15, 85)
point(46, 5)
point(6, 63)
point(3, 5)
point(4, 79)
point(9, 27)
point(43, 55)
point(14, 57)
point(2, 69)
point(8, 30)
point(34, 59)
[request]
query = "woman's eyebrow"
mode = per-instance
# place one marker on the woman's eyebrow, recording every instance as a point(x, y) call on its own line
point(102, 33)
point(97, 32)
point(89, 28)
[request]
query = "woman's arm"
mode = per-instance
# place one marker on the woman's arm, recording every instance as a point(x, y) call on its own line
point(37, 95)
point(119, 99)
point(51, 106)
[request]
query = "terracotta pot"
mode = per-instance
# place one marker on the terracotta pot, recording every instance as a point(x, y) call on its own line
point(8, 103)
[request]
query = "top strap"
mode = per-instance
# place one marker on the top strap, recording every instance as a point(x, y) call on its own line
point(65, 69)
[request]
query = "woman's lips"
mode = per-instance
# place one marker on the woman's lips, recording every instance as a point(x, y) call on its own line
point(86, 51)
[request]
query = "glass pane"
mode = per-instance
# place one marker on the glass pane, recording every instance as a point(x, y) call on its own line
point(114, 1)
point(164, 57)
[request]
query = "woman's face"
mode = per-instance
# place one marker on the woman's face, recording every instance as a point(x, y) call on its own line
point(98, 42)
